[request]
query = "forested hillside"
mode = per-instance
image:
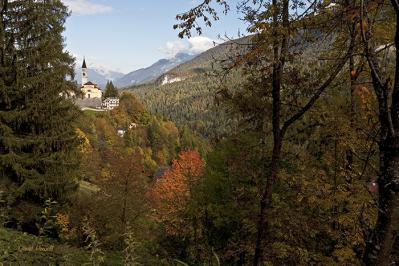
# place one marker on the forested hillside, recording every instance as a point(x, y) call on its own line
point(197, 100)
point(189, 103)
point(192, 102)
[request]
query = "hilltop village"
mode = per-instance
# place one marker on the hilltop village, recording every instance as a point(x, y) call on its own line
point(92, 96)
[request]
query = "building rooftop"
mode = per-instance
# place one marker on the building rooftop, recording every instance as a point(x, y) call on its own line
point(90, 83)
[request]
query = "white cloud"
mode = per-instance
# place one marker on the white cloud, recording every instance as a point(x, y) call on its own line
point(193, 45)
point(200, 44)
point(86, 7)
point(173, 48)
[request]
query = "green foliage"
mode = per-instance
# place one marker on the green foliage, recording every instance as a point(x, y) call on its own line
point(189, 103)
point(37, 137)
point(22, 249)
point(46, 223)
point(110, 91)
point(225, 204)
point(321, 204)
point(93, 244)
point(130, 110)
point(37, 152)
point(130, 251)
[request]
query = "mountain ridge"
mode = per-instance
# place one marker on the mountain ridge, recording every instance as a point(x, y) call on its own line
point(101, 75)
point(152, 72)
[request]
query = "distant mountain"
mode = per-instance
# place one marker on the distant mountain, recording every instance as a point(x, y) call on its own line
point(209, 60)
point(212, 58)
point(99, 75)
point(153, 72)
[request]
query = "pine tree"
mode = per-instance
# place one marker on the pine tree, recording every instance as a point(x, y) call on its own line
point(110, 90)
point(37, 136)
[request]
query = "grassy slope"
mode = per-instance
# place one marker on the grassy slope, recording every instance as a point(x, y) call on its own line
point(17, 248)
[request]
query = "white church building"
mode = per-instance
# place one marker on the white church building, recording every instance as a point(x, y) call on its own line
point(91, 96)
point(89, 89)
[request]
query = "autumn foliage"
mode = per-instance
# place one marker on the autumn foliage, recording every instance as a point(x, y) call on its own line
point(171, 192)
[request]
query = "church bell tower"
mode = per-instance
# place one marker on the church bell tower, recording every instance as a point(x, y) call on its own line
point(84, 73)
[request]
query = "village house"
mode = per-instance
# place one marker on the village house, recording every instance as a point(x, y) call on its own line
point(110, 103)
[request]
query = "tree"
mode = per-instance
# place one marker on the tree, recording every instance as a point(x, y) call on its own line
point(274, 99)
point(224, 202)
point(37, 137)
point(120, 200)
point(110, 91)
point(172, 191)
point(382, 238)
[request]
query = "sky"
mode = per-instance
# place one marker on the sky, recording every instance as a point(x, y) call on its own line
point(125, 35)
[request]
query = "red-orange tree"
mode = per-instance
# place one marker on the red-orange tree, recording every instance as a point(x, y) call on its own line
point(172, 191)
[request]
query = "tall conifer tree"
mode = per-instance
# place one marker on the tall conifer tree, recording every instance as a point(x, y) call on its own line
point(110, 90)
point(37, 137)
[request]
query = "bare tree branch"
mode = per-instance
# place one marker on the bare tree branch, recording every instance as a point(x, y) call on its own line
point(321, 89)
point(204, 11)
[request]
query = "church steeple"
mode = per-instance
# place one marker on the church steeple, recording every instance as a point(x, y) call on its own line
point(85, 78)
point(84, 63)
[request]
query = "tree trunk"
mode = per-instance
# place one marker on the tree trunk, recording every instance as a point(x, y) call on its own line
point(265, 204)
point(380, 243)
point(379, 248)
point(280, 50)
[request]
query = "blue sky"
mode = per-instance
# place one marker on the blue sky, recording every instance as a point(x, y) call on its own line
point(126, 35)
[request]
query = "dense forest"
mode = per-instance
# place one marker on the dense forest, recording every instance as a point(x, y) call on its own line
point(189, 103)
point(278, 148)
